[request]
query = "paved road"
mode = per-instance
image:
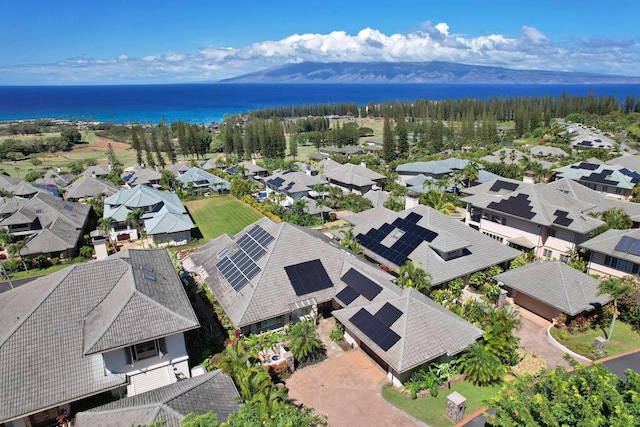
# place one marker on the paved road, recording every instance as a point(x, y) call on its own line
point(617, 366)
point(4, 286)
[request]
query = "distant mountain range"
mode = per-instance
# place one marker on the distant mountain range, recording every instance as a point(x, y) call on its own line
point(418, 72)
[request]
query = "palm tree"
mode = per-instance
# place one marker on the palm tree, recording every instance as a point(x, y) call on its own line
point(15, 249)
point(106, 224)
point(240, 170)
point(410, 275)
point(436, 199)
point(615, 288)
point(350, 241)
point(539, 171)
point(471, 171)
point(481, 365)
point(303, 339)
point(167, 179)
point(234, 359)
point(5, 237)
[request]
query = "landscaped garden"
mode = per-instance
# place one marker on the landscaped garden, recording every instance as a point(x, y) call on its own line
point(431, 410)
point(217, 215)
point(623, 339)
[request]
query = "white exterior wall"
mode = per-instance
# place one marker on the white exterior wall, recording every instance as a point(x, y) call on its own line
point(115, 361)
point(513, 228)
point(560, 244)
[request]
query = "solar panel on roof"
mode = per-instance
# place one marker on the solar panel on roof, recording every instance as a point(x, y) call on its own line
point(260, 235)
point(361, 284)
point(413, 217)
point(388, 314)
point(276, 182)
point(347, 295)
point(561, 218)
point(515, 205)
point(289, 186)
point(624, 244)
point(308, 277)
point(502, 185)
point(588, 166)
point(377, 332)
point(635, 248)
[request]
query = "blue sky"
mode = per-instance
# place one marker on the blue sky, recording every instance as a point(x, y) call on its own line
point(179, 41)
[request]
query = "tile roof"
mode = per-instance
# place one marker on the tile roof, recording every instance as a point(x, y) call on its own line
point(141, 176)
point(293, 181)
point(545, 150)
point(538, 203)
point(43, 327)
point(631, 162)
point(270, 292)
point(556, 284)
point(179, 168)
point(377, 197)
point(606, 243)
point(353, 175)
point(426, 330)
point(97, 170)
point(604, 174)
point(141, 196)
point(210, 392)
point(88, 186)
point(199, 176)
point(168, 222)
point(480, 251)
point(435, 167)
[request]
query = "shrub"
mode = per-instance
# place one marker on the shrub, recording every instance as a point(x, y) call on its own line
point(337, 333)
point(530, 364)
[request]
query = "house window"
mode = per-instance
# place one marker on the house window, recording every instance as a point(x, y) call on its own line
point(565, 258)
point(145, 350)
point(621, 265)
point(547, 253)
point(494, 237)
point(476, 214)
point(551, 232)
point(269, 324)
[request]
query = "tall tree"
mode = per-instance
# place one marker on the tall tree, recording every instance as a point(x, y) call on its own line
point(135, 144)
point(388, 142)
point(615, 288)
point(155, 145)
point(410, 275)
point(167, 145)
point(303, 339)
point(401, 134)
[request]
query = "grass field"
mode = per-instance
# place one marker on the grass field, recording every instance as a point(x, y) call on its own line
point(624, 339)
point(217, 215)
point(431, 410)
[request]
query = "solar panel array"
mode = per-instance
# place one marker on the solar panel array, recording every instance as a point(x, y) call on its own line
point(276, 182)
point(399, 252)
point(308, 277)
point(600, 178)
point(585, 165)
point(357, 284)
point(502, 185)
point(515, 205)
point(239, 268)
point(628, 245)
point(561, 218)
point(377, 327)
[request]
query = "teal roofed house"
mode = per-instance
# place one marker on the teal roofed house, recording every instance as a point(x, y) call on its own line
point(164, 216)
point(204, 181)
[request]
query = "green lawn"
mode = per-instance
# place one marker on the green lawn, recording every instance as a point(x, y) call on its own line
point(431, 410)
point(624, 339)
point(217, 215)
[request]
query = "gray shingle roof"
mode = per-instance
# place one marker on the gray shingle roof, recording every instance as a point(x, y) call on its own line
point(544, 203)
point(377, 197)
point(353, 175)
point(211, 392)
point(203, 178)
point(484, 252)
point(293, 181)
point(141, 176)
point(97, 170)
point(270, 293)
point(545, 150)
point(606, 243)
point(88, 186)
point(42, 329)
point(125, 201)
point(426, 329)
point(615, 175)
point(627, 161)
point(435, 167)
point(556, 284)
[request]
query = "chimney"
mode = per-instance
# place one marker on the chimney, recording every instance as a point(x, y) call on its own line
point(363, 164)
point(253, 161)
point(411, 200)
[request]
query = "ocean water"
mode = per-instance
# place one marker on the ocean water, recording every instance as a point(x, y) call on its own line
point(204, 103)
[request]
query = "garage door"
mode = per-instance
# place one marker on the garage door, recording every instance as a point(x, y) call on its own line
point(535, 306)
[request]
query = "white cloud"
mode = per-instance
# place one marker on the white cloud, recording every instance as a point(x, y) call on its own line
point(532, 50)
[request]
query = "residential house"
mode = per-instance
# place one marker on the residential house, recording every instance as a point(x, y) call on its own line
point(209, 392)
point(422, 184)
point(588, 137)
point(546, 151)
point(614, 253)
point(106, 326)
point(352, 178)
point(631, 162)
point(27, 190)
point(347, 150)
point(202, 181)
point(611, 180)
point(55, 178)
point(98, 171)
point(165, 218)
point(442, 246)
point(377, 197)
point(215, 163)
point(436, 169)
point(272, 273)
point(251, 170)
point(303, 167)
point(139, 175)
point(537, 217)
point(291, 184)
point(510, 156)
point(549, 288)
point(47, 225)
point(87, 186)
point(8, 183)
point(178, 168)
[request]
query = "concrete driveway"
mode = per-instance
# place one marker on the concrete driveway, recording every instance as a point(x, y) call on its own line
point(533, 337)
point(344, 388)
